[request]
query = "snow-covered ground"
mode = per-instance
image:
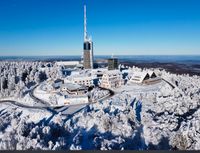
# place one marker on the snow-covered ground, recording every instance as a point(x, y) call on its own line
point(136, 117)
point(53, 98)
point(43, 95)
point(26, 100)
point(98, 93)
point(138, 88)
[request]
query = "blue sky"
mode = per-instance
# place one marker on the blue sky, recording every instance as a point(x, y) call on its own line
point(119, 27)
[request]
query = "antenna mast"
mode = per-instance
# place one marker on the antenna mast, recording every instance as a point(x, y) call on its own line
point(85, 24)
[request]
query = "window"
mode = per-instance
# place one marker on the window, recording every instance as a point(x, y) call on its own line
point(135, 80)
point(87, 46)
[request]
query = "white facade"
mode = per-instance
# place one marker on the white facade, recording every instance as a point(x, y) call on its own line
point(112, 79)
point(72, 100)
point(82, 80)
point(73, 89)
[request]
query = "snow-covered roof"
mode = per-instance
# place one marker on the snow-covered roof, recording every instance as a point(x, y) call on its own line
point(151, 73)
point(72, 86)
point(79, 65)
point(127, 71)
point(139, 76)
point(75, 73)
point(82, 77)
point(99, 69)
point(112, 72)
point(67, 63)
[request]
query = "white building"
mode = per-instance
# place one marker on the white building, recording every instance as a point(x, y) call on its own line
point(87, 81)
point(72, 100)
point(75, 73)
point(112, 79)
point(73, 89)
point(68, 63)
point(144, 78)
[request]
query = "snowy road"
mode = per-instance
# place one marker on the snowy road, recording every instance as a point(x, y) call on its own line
point(65, 111)
point(72, 109)
point(31, 93)
point(18, 104)
point(69, 109)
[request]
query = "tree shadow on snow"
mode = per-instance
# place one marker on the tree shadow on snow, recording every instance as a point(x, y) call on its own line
point(162, 145)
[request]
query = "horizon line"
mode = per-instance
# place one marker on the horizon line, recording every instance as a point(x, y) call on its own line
point(104, 55)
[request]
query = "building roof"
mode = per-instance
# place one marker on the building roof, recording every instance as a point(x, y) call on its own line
point(58, 80)
point(112, 72)
point(73, 86)
point(82, 77)
point(139, 76)
point(151, 73)
point(68, 63)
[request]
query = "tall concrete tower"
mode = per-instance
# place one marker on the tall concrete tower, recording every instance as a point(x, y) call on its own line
point(87, 46)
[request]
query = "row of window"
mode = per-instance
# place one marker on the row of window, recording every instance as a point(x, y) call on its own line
point(83, 81)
